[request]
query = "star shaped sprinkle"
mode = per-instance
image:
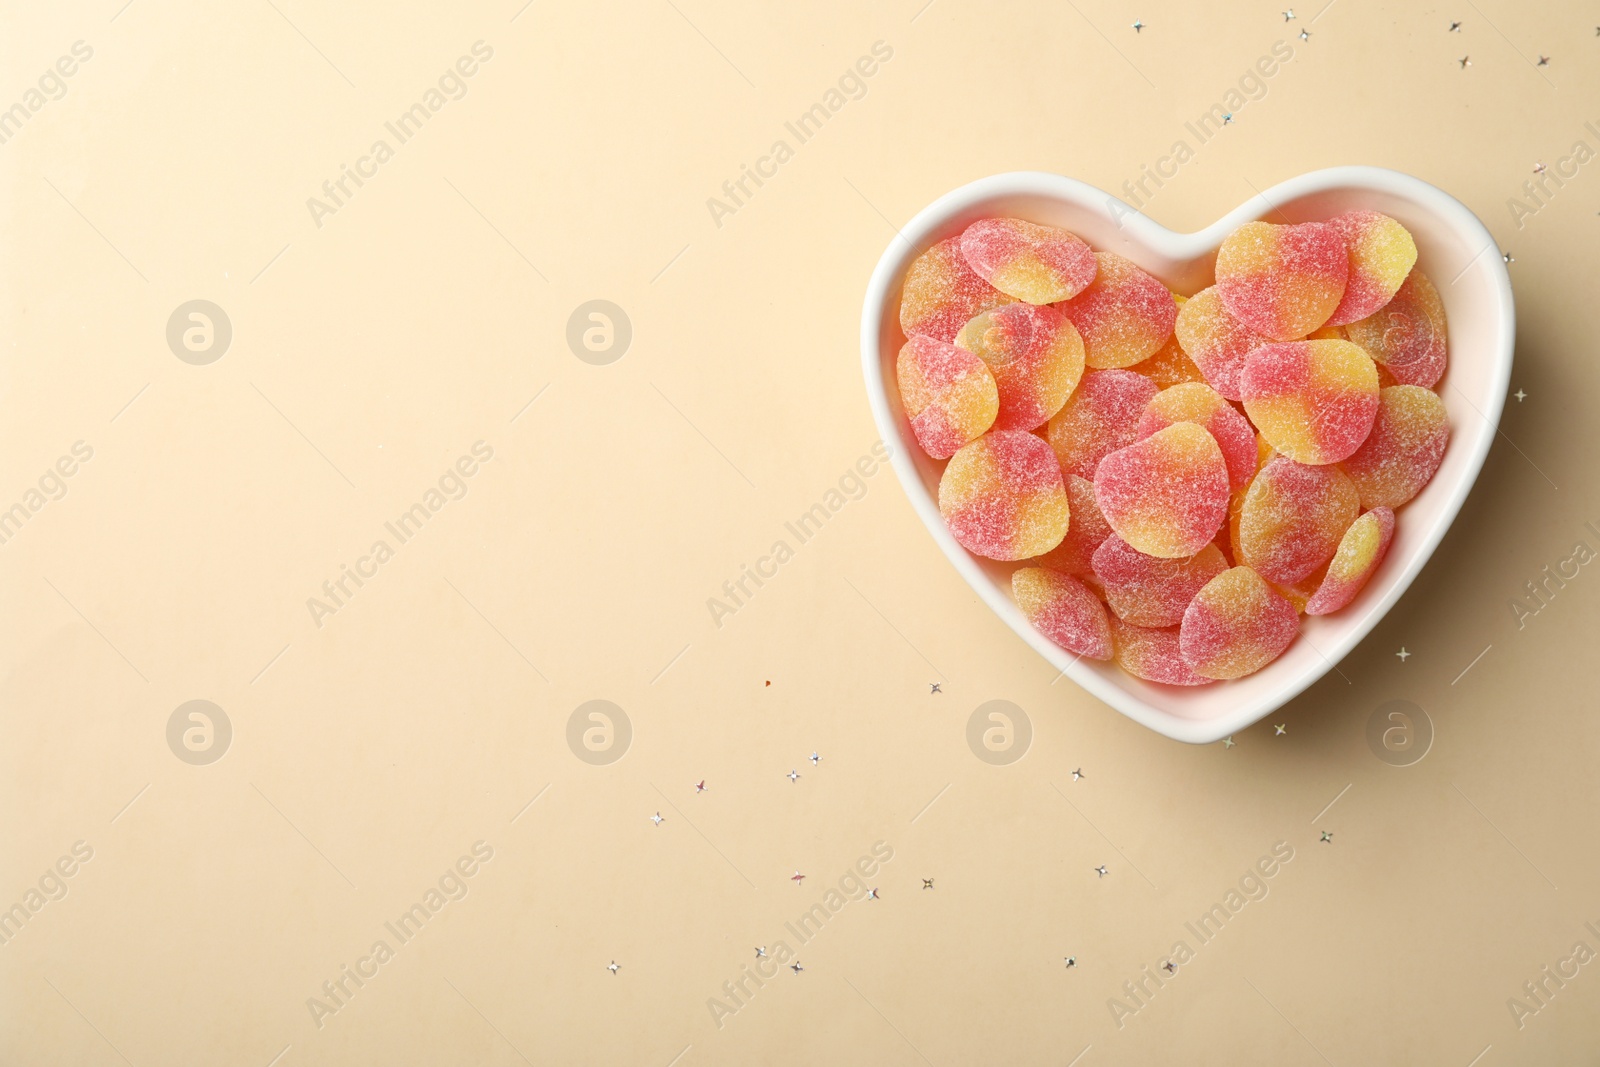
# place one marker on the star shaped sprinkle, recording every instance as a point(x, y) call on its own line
point(872, 894)
point(1289, 14)
point(1077, 774)
point(1540, 168)
point(795, 967)
point(1544, 61)
point(1279, 729)
point(1170, 967)
point(1305, 35)
point(1326, 838)
point(1520, 395)
point(1455, 27)
point(933, 687)
point(613, 966)
point(815, 759)
point(797, 878)
point(793, 775)
point(927, 883)
point(761, 952)
point(1072, 961)
point(1403, 654)
point(1137, 25)
point(700, 786)
point(658, 818)
point(1465, 61)
point(1101, 871)
point(1227, 118)
point(1228, 742)
point(1508, 257)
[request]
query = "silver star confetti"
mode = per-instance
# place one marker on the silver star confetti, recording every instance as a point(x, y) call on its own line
point(1137, 25)
point(1544, 61)
point(1289, 14)
point(658, 818)
point(1520, 395)
point(1455, 27)
point(1465, 61)
point(927, 883)
point(700, 786)
point(1076, 774)
point(815, 759)
point(797, 878)
point(1170, 967)
point(795, 967)
point(1326, 837)
point(1101, 871)
point(793, 775)
point(1403, 655)
point(1508, 257)
point(1305, 35)
point(761, 952)
point(1227, 118)
point(933, 687)
point(1279, 729)
point(1539, 168)
point(1228, 742)
point(872, 894)
point(613, 966)
point(1072, 961)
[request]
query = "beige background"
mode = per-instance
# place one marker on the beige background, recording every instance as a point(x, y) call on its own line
point(370, 753)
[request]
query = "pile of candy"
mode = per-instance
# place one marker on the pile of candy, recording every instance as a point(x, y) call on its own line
point(1184, 477)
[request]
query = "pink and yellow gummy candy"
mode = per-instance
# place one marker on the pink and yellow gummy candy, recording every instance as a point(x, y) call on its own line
point(1086, 530)
point(1216, 341)
point(1148, 591)
point(1002, 496)
point(1406, 337)
point(1282, 281)
point(941, 293)
point(1403, 451)
point(1125, 315)
point(948, 393)
point(1382, 253)
point(1152, 654)
point(1235, 625)
point(1101, 417)
point(1166, 495)
point(1313, 401)
point(1202, 405)
point(1361, 549)
point(1060, 607)
point(1292, 519)
point(1036, 358)
point(1039, 264)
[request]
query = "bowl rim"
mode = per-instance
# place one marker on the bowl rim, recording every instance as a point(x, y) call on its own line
point(1139, 229)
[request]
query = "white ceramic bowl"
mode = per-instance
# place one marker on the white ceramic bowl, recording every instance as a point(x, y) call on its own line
point(1455, 250)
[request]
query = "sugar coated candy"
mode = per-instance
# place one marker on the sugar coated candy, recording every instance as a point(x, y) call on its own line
point(1216, 341)
point(1060, 607)
point(1282, 281)
point(1002, 496)
point(1292, 519)
point(1152, 654)
point(1235, 625)
point(1170, 366)
point(1086, 529)
point(1407, 335)
point(1382, 253)
point(1313, 401)
point(948, 394)
point(1166, 495)
point(1036, 358)
point(1148, 591)
point(941, 293)
point(1300, 593)
point(1204, 406)
point(1125, 315)
point(1039, 264)
point(1360, 551)
point(1099, 418)
point(1405, 447)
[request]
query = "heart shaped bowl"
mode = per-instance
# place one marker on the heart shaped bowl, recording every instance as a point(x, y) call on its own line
point(1455, 250)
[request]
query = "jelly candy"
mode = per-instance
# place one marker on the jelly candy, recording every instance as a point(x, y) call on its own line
point(1382, 253)
point(1235, 625)
point(1216, 341)
point(1313, 401)
point(1404, 450)
point(1406, 337)
point(1002, 496)
point(1125, 315)
point(1101, 417)
point(1147, 591)
point(1061, 608)
point(1039, 264)
point(1086, 529)
point(1151, 654)
point(1170, 366)
point(1166, 495)
point(1036, 358)
point(1361, 549)
point(1292, 519)
point(941, 293)
point(1204, 406)
point(1282, 281)
point(948, 394)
